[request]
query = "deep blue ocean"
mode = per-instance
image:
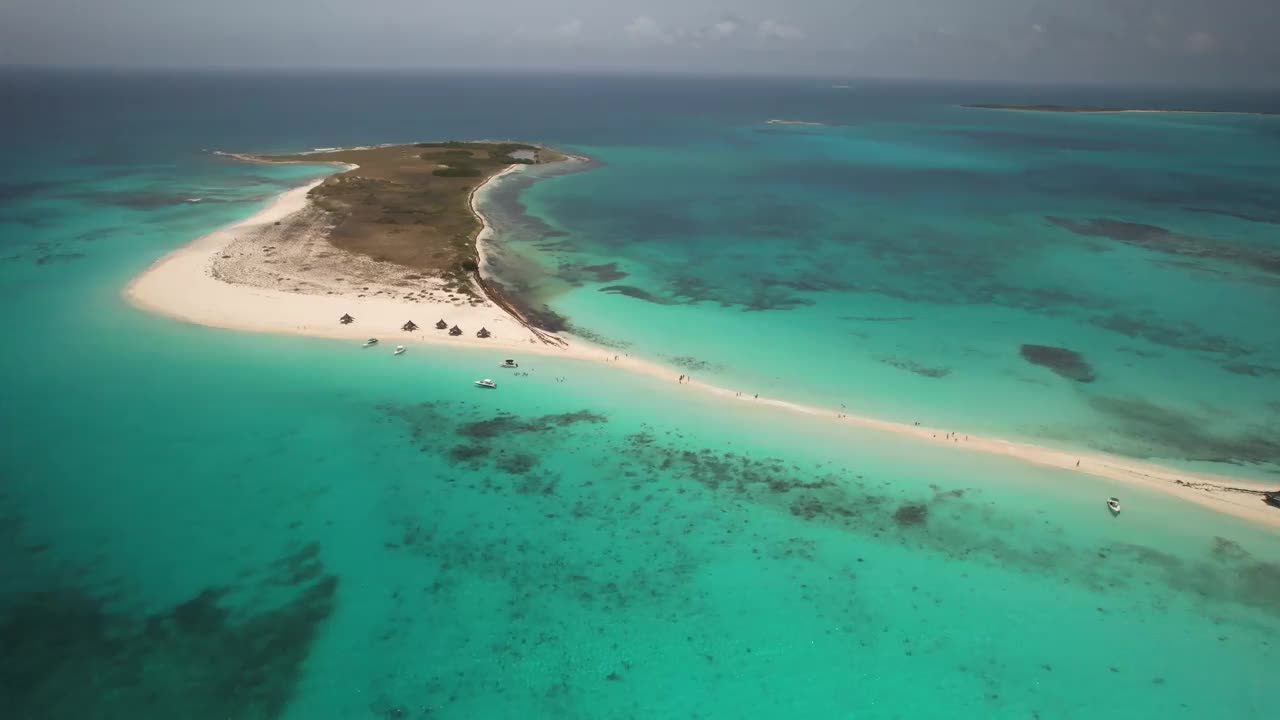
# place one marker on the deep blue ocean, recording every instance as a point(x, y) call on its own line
point(207, 524)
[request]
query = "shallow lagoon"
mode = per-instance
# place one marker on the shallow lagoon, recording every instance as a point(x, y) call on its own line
point(208, 524)
point(897, 266)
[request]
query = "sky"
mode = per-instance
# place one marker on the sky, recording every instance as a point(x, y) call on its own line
point(1166, 41)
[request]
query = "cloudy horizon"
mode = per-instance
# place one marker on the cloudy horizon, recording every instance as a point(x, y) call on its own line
point(1167, 41)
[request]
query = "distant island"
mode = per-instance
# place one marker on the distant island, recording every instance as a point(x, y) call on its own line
point(1104, 109)
point(793, 122)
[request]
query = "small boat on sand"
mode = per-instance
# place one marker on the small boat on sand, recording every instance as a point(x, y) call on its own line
point(1113, 504)
point(370, 342)
point(509, 364)
point(399, 350)
point(487, 383)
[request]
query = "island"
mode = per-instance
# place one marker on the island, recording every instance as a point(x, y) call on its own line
point(412, 205)
point(1104, 109)
point(398, 223)
point(387, 252)
point(391, 241)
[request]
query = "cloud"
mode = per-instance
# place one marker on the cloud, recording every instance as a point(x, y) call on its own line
point(569, 29)
point(569, 32)
point(646, 30)
point(1199, 42)
point(724, 29)
point(774, 30)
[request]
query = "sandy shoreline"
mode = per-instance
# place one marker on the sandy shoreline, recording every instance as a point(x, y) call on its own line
point(182, 285)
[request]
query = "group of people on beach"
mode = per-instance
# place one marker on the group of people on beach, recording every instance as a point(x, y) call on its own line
point(953, 436)
point(684, 379)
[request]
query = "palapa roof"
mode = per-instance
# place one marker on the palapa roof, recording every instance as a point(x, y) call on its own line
point(442, 324)
point(411, 325)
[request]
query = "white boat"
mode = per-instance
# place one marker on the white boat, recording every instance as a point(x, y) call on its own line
point(370, 342)
point(399, 350)
point(509, 364)
point(1113, 504)
point(487, 383)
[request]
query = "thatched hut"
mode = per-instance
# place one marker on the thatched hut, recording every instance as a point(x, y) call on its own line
point(483, 333)
point(409, 326)
point(455, 330)
point(441, 324)
point(346, 319)
point(1272, 498)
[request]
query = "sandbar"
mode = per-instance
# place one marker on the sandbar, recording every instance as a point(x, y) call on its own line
point(186, 284)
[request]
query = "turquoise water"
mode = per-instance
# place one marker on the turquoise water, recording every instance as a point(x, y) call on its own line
point(898, 265)
point(200, 523)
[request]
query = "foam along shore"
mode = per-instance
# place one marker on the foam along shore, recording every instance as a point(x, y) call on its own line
point(183, 285)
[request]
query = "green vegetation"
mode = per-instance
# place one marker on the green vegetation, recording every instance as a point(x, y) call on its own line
point(410, 204)
point(457, 171)
point(508, 148)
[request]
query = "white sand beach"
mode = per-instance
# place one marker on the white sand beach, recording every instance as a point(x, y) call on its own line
point(183, 285)
point(186, 284)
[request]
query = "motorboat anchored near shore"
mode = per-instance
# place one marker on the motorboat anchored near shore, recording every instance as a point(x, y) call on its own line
point(1113, 504)
point(509, 364)
point(399, 350)
point(487, 383)
point(370, 342)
